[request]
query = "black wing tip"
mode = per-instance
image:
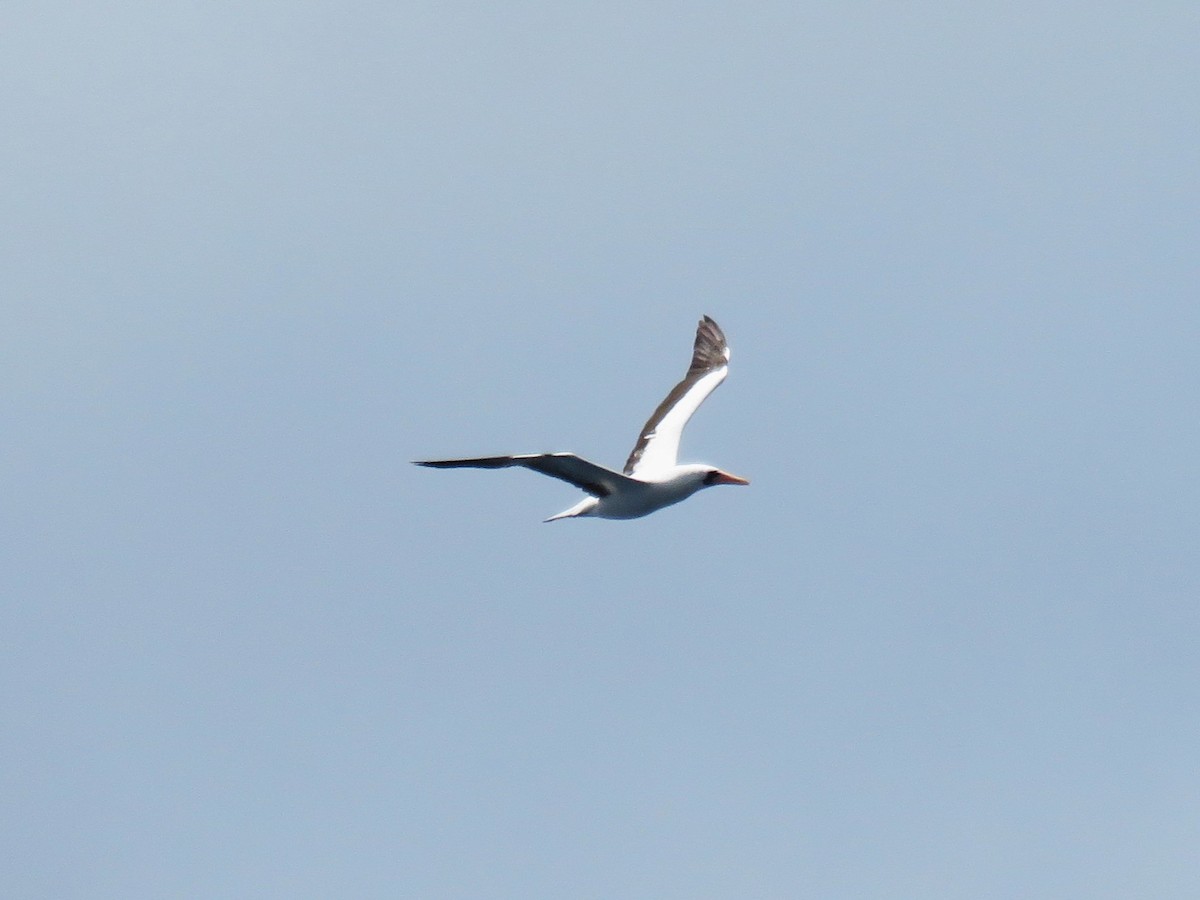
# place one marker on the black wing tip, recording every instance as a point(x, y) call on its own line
point(709, 325)
point(710, 350)
point(484, 462)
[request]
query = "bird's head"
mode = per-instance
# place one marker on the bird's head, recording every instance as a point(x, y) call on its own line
point(713, 477)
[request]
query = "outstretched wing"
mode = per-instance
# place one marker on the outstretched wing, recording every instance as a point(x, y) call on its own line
point(596, 480)
point(657, 447)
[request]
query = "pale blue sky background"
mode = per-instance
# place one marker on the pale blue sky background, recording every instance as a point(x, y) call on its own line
point(258, 256)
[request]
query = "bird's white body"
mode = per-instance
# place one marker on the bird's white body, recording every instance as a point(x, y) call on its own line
point(643, 496)
point(652, 479)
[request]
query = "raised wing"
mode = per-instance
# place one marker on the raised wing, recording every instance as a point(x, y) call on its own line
point(596, 480)
point(657, 447)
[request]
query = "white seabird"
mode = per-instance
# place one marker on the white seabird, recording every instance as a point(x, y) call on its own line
point(652, 478)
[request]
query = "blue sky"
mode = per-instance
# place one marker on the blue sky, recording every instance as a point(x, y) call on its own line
point(945, 645)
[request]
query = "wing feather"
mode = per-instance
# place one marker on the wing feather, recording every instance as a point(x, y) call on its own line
point(657, 446)
point(596, 480)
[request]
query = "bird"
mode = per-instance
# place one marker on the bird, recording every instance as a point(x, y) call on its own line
point(652, 478)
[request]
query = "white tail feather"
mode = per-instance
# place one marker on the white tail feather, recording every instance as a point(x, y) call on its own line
point(584, 507)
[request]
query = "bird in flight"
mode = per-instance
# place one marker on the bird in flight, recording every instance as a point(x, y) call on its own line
point(652, 478)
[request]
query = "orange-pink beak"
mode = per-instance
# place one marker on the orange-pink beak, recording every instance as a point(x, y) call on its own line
point(720, 477)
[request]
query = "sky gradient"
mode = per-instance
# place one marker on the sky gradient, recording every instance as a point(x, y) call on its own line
point(256, 260)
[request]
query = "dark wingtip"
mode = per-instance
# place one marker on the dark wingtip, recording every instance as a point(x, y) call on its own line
point(710, 349)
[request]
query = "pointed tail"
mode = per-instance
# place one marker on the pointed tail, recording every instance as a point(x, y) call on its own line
point(583, 508)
